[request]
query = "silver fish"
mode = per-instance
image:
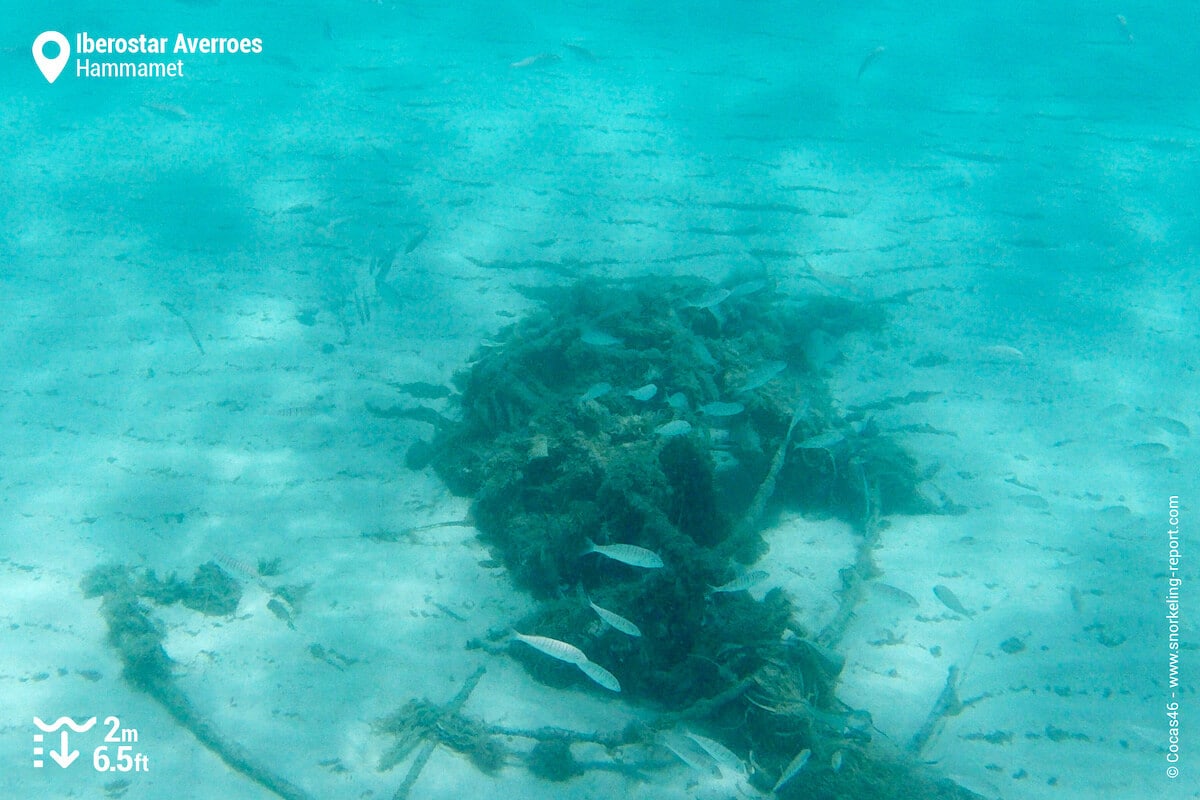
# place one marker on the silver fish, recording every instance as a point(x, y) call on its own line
point(761, 376)
point(721, 409)
point(600, 675)
point(951, 601)
point(597, 338)
point(835, 763)
point(710, 299)
point(725, 758)
point(553, 648)
point(869, 60)
point(678, 401)
point(822, 441)
point(643, 393)
point(688, 754)
point(793, 769)
point(536, 59)
point(893, 593)
point(741, 583)
point(747, 288)
point(678, 427)
point(1003, 352)
point(616, 620)
point(629, 554)
point(595, 391)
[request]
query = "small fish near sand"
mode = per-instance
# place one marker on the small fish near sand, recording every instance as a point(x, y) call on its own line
point(531, 61)
point(1123, 24)
point(570, 654)
point(871, 58)
point(600, 675)
point(1002, 353)
point(741, 583)
point(725, 759)
point(950, 600)
point(629, 554)
point(691, 755)
point(167, 110)
point(893, 594)
point(554, 648)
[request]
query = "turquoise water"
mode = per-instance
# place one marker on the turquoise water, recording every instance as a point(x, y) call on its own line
point(199, 318)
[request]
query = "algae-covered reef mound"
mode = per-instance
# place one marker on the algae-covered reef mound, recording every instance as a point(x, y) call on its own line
point(624, 445)
point(650, 412)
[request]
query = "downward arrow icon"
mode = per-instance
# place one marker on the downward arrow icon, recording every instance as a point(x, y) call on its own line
point(64, 758)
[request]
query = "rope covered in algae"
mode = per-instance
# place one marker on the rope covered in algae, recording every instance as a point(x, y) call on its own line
point(233, 754)
point(138, 639)
point(450, 709)
point(767, 488)
point(855, 576)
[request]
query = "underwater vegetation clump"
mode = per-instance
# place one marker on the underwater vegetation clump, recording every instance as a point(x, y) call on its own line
point(654, 410)
point(624, 446)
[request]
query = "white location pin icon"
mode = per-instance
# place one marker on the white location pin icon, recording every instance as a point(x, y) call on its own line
point(51, 67)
